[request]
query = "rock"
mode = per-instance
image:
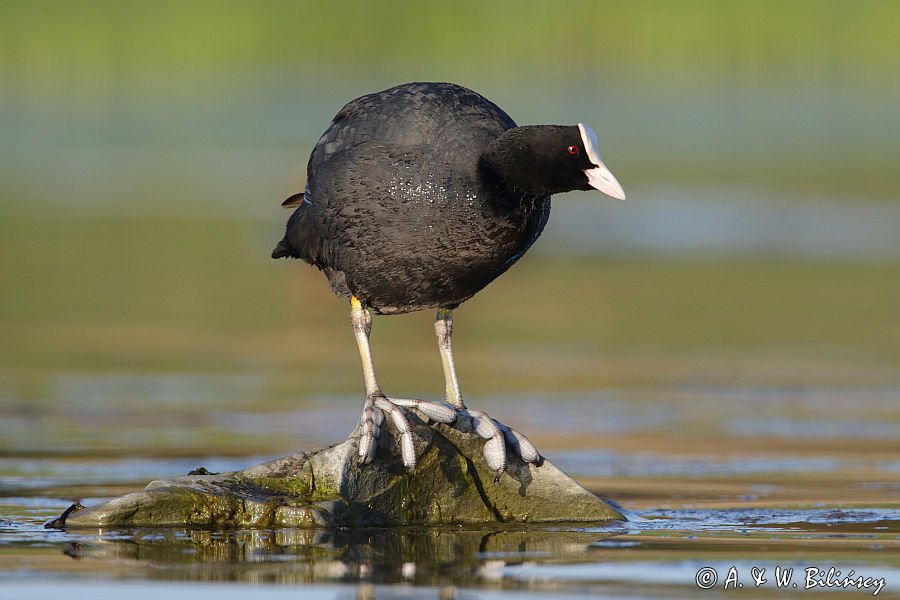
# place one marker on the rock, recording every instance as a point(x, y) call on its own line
point(327, 488)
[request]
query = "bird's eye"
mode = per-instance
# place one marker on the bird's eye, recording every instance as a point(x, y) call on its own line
point(573, 150)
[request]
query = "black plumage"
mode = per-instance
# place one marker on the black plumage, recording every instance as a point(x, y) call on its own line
point(412, 202)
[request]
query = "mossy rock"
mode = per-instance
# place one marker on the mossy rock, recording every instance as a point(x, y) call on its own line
point(327, 488)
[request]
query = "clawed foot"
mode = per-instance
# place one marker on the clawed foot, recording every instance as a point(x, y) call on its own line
point(373, 416)
point(495, 433)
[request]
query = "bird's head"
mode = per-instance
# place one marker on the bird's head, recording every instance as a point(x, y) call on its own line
point(548, 159)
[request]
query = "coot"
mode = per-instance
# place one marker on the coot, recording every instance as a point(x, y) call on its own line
point(416, 198)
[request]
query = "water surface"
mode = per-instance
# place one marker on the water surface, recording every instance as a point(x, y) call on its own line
point(820, 493)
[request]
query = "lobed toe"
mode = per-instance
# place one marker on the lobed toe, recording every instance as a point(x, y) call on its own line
point(522, 445)
point(495, 455)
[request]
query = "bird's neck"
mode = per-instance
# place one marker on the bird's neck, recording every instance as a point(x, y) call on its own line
point(506, 163)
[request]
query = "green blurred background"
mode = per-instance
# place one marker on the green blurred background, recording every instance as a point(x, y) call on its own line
point(146, 147)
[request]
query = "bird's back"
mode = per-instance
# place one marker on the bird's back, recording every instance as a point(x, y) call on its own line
point(414, 115)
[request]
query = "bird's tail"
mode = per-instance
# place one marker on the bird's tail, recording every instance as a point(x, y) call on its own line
point(284, 250)
point(301, 240)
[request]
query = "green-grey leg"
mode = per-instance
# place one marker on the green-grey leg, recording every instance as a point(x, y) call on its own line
point(491, 430)
point(376, 403)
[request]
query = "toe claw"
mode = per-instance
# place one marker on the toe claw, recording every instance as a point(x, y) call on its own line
point(521, 445)
point(407, 447)
point(369, 432)
point(408, 451)
point(497, 435)
point(495, 455)
point(366, 448)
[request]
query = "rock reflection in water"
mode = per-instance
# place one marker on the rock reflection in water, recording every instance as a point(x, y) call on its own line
point(423, 557)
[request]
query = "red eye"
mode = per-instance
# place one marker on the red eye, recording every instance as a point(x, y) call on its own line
point(573, 150)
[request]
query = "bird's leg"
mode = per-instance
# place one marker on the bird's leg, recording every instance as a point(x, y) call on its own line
point(371, 418)
point(376, 403)
point(488, 428)
point(443, 327)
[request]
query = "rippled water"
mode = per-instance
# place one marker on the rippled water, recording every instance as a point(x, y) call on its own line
point(657, 553)
point(795, 500)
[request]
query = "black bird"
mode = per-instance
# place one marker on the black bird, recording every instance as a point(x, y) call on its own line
point(416, 198)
